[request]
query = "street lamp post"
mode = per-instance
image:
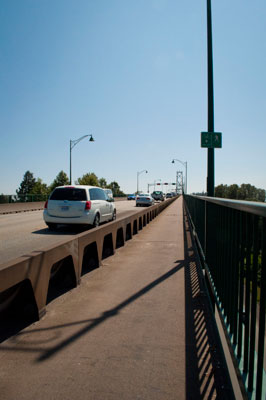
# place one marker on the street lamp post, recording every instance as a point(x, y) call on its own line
point(73, 144)
point(138, 174)
point(184, 163)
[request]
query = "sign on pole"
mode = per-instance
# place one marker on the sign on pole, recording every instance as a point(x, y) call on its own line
point(211, 140)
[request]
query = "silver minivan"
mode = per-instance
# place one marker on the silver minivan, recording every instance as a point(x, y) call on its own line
point(78, 204)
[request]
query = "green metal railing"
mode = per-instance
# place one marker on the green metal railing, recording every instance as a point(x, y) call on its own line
point(14, 198)
point(231, 236)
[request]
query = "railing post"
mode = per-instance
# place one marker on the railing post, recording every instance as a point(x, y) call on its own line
point(262, 316)
point(234, 244)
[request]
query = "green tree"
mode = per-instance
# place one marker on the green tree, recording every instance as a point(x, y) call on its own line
point(4, 198)
point(102, 183)
point(221, 191)
point(261, 195)
point(26, 186)
point(40, 191)
point(246, 191)
point(88, 179)
point(116, 189)
point(60, 180)
point(232, 191)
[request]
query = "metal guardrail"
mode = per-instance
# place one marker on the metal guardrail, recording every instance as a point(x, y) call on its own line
point(33, 276)
point(231, 236)
point(29, 198)
point(13, 208)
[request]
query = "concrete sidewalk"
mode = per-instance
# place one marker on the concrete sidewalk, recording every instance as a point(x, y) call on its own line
point(139, 327)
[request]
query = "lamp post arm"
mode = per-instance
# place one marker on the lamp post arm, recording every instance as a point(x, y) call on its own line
point(138, 173)
point(74, 142)
point(182, 162)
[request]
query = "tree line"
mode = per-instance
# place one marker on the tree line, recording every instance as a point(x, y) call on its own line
point(246, 191)
point(32, 189)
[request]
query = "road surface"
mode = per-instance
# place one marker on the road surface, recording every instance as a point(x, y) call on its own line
point(22, 233)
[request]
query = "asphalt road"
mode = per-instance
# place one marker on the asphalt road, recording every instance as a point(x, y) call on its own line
point(23, 233)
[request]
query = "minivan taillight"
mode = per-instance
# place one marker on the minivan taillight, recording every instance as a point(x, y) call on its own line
point(46, 204)
point(88, 205)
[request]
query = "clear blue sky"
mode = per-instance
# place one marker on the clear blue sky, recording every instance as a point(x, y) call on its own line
point(133, 74)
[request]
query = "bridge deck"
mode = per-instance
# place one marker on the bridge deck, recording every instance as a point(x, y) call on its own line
point(139, 327)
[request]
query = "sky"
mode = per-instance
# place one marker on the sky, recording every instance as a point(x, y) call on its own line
point(133, 73)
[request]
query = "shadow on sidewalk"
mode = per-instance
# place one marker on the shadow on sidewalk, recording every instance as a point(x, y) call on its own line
point(87, 325)
point(206, 372)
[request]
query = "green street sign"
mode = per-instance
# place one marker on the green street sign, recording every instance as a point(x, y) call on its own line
point(211, 140)
point(206, 139)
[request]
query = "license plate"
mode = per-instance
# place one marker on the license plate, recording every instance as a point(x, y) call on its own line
point(64, 208)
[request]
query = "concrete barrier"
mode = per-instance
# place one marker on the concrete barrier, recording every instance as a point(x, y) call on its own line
point(13, 208)
point(33, 277)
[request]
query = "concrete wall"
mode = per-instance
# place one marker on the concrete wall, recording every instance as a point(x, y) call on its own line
point(36, 275)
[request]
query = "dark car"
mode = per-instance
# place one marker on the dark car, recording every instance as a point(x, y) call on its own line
point(169, 195)
point(131, 197)
point(158, 195)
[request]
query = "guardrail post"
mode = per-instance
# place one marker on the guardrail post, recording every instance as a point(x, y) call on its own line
point(262, 316)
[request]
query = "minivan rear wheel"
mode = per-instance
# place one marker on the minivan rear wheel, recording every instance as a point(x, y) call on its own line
point(114, 215)
point(51, 226)
point(96, 221)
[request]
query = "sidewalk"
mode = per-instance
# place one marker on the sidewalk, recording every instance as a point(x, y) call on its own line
point(139, 327)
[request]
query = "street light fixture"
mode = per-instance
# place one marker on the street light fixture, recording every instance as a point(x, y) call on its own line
point(73, 144)
point(184, 163)
point(138, 173)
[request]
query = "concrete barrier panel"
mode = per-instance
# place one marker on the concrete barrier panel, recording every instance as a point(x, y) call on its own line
point(75, 256)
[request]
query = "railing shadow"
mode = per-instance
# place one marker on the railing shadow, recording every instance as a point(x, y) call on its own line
point(89, 325)
point(206, 372)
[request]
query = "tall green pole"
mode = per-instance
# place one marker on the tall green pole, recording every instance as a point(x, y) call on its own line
point(210, 174)
point(70, 166)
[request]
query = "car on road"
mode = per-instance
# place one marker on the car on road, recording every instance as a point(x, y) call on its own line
point(169, 195)
point(109, 194)
point(131, 197)
point(78, 204)
point(158, 195)
point(144, 199)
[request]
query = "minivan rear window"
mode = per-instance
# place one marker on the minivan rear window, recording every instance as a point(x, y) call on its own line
point(71, 194)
